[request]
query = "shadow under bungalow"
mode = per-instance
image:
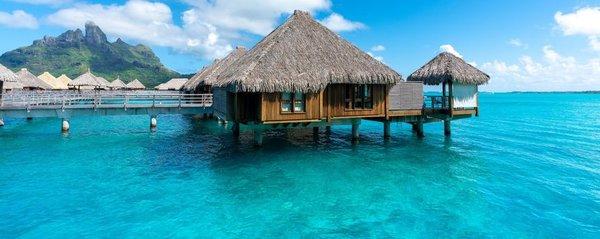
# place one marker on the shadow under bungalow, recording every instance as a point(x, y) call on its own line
point(304, 75)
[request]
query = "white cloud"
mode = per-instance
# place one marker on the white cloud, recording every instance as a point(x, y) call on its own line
point(378, 48)
point(208, 27)
point(584, 21)
point(147, 22)
point(338, 23)
point(18, 19)
point(450, 49)
point(254, 16)
point(379, 58)
point(516, 42)
point(554, 73)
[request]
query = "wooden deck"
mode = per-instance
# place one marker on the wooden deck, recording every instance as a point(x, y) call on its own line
point(65, 104)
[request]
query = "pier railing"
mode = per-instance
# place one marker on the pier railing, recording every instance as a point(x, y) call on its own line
point(436, 102)
point(102, 99)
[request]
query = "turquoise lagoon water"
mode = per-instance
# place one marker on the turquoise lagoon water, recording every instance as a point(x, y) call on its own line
point(529, 166)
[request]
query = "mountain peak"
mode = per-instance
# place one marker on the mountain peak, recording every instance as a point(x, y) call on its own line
point(93, 34)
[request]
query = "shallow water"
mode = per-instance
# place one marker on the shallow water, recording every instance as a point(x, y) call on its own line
point(529, 166)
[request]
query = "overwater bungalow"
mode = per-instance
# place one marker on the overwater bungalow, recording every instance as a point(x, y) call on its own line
point(304, 75)
point(8, 80)
point(459, 83)
point(117, 84)
point(32, 82)
point(87, 81)
point(135, 85)
point(202, 81)
point(174, 84)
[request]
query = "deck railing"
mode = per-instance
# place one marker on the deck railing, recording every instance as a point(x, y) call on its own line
point(436, 102)
point(102, 99)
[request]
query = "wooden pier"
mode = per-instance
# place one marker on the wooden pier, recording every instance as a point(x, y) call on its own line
point(68, 104)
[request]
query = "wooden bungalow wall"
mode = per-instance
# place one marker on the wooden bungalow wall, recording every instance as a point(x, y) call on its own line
point(336, 105)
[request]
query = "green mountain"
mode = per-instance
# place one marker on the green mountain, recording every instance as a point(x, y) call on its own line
point(72, 53)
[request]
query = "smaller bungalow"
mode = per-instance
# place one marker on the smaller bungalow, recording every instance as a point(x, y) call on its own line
point(87, 81)
point(135, 85)
point(459, 83)
point(32, 82)
point(117, 84)
point(9, 80)
point(174, 84)
point(53, 81)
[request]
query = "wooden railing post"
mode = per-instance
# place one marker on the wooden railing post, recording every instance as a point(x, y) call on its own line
point(179, 100)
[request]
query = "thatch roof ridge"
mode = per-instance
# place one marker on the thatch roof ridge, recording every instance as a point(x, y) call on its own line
point(303, 55)
point(173, 84)
point(209, 74)
point(29, 80)
point(87, 79)
point(448, 67)
point(9, 78)
point(50, 79)
point(64, 79)
point(135, 85)
point(117, 83)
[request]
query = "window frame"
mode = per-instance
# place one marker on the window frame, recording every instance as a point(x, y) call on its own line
point(359, 97)
point(292, 102)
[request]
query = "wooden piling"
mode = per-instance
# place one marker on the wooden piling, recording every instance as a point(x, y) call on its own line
point(386, 129)
point(258, 137)
point(447, 130)
point(235, 128)
point(355, 129)
point(153, 122)
point(65, 125)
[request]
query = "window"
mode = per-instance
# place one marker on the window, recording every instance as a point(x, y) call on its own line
point(359, 97)
point(292, 102)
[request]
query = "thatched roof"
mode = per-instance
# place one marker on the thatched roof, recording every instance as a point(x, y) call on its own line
point(51, 80)
point(135, 85)
point(303, 55)
point(447, 67)
point(10, 79)
point(173, 84)
point(64, 80)
point(117, 84)
point(88, 79)
point(208, 75)
point(31, 81)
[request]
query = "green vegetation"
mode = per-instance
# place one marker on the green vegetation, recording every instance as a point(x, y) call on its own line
point(72, 54)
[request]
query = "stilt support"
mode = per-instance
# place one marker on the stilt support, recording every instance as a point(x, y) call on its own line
point(29, 118)
point(328, 129)
point(447, 130)
point(355, 129)
point(258, 137)
point(65, 125)
point(386, 129)
point(316, 131)
point(153, 122)
point(1, 122)
point(235, 128)
point(417, 127)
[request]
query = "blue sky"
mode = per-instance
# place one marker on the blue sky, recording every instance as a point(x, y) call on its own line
point(543, 45)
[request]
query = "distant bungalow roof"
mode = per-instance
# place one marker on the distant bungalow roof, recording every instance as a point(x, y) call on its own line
point(173, 84)
point(88, 79)
point(447, 67)
point(10, 79)
point(117, 84)
point(31, 81)
point(208, 75)
point(51, 80)
point(135, 85)
point(303, 55)
point(64, 80)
